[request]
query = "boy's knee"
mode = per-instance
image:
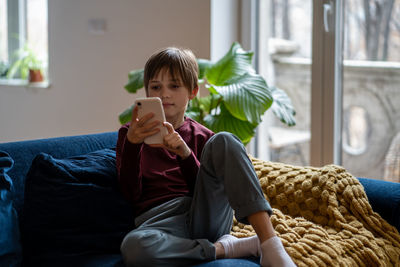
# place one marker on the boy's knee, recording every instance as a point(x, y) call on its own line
point(224, 140)
point(138, 248)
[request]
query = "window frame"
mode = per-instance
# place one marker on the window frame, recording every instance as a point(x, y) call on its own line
point(326, 83)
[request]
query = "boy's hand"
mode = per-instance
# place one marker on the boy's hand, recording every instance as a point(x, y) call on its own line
point(138, 129)
point(173, 142)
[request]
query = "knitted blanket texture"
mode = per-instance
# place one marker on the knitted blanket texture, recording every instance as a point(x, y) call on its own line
point(323, 217)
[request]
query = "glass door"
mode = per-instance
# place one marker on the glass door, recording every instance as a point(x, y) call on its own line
point(284, 59)
point(371, 91)
point(339, 61)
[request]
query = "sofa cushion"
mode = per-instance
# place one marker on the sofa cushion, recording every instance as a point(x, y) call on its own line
point(72, 207)
point(384, 197)
point(23, 153)
point(10, 248)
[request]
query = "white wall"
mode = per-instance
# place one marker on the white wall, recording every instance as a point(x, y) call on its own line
point(88, 72)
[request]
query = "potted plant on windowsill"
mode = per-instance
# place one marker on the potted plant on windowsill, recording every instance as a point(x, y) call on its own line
point(28, 65)
point(238, 96)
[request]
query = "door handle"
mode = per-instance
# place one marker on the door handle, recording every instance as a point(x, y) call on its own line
point(327, 12)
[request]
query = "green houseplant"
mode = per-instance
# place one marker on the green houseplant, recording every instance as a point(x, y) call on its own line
point(238, 96)
point(27, 64)
point(3, 69)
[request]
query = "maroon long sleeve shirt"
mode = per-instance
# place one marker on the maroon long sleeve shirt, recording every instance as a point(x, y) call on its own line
point(150, 176)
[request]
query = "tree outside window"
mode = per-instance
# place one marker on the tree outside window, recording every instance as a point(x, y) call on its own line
point(373, 27)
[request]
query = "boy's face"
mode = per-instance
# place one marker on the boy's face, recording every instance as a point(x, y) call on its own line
point(173, 93)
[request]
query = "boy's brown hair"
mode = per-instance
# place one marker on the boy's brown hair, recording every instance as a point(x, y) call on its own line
point(178, 61)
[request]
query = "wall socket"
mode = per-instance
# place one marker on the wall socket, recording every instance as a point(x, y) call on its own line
point(97, 26)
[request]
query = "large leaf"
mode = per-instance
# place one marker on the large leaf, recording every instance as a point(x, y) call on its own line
point(246, 97)
point(126, 115)
point(282, 106)
point(135, 82)
point(226, 122)
point(203, 64)
point(235, 63)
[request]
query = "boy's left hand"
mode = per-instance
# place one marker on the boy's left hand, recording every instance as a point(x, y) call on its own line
point(173, 142)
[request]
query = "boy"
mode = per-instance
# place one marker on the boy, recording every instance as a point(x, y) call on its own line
point(183, 191)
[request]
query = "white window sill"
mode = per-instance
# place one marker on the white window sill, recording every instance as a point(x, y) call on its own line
point(23, 83)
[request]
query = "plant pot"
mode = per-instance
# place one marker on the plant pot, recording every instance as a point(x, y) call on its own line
point(35, 76)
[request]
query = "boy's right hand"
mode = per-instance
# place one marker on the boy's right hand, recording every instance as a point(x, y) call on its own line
point(139, 130)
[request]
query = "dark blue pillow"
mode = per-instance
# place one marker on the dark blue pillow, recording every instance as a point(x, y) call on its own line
point(10, 248)
point(72, 207)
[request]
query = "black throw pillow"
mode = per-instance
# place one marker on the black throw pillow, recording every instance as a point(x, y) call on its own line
point(73, 207)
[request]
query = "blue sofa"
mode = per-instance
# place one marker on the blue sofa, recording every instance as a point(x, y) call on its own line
point(60, 204)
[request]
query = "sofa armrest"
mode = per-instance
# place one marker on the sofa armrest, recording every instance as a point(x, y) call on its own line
point(384, 198)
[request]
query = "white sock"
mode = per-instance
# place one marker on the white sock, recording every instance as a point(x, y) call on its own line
point(240, 247)
point(274, 254)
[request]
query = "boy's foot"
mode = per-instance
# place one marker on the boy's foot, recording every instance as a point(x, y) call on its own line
point(274, 254)
point(239, 247)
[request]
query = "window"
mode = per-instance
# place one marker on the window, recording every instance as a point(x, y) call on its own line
point(23, 31)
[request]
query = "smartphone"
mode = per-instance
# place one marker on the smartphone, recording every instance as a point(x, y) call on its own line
point(152, 104)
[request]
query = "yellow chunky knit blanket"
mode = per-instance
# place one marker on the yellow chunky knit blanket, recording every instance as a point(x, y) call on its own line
point(323, 217)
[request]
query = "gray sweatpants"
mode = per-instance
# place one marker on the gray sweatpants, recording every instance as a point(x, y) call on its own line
point(182, 231)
